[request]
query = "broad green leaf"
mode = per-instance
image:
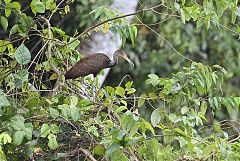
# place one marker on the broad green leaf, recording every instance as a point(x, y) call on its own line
point(112, 148)
point(18, 137)
point(22, 55)
point(73, 101)
point(121, 108)
point(4, 22)
point(99, 150)
point(45, 130)
point(17, 122)
point(134, 129)
point(53, 112)
point(54, 129)
point(7, 1)
point(5, 138)
point(75, 115)
point(120, 91)
point(15, 6)
point(98, 12)
point(128, 85)
point(141, 100)
point(37, 7)
point(148, 125)
point(154, 79)
point(184, 109)
point(131, 90)
point(156, 117)
point(74, 44)
point(208, 149)
point(13, 30)
point(28, 130)
point(4, 101)
point(52, 141)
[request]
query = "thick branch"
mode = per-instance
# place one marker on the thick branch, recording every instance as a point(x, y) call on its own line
point(85, 152)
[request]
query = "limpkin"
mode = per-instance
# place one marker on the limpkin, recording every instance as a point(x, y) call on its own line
point(94, 63)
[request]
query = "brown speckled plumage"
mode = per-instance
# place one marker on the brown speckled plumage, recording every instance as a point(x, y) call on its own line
point(88, 65)
point(94, 63)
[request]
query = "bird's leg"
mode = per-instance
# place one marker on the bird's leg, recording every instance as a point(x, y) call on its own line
point(93, 89)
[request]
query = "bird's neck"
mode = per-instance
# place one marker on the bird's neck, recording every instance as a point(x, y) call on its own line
point(114, 60)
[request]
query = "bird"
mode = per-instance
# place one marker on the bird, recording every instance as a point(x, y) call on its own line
point(94, 63)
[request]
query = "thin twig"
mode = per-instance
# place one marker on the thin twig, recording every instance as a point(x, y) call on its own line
point(54, 68)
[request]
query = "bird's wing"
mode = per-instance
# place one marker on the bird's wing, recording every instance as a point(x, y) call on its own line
point(91, 64)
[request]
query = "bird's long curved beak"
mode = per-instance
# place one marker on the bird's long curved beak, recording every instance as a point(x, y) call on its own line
point(128, 60)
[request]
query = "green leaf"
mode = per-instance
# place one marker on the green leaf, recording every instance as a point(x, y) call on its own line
point(110, 149)
point(52, 141)
point(217, 126)
point(183, 18)
point(128, 85)
point(54, 129)
point(121, 108)
point(4, 101)
point(22, 75)
point(156, 117)
point(98, 12)
point(74, 44)
point(75, 115)
point(120, 91)
point(135, 31)
point(131, 90)
point(154, 79)
point(208, 149)
point(179, 131)
point(177, 6)
point(132, 35)
point(203, 107)
point(18, 137)
point(28, 130)
point(17, 122)
point(141, 100)
point(134, 129)
point(184, 109)
point(22, 55)
point(73, 101)
point(99, 150)
point(45, 130)
point(13, 30)
point(4, 22)
point(148, 125)
point(53, 112)
point(2, 155)
point(5, 138)
point(37, 7)
point(15, 6)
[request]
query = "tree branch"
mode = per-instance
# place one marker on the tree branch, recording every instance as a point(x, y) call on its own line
point(85, 152)
point(49, 52)
point(111, 19)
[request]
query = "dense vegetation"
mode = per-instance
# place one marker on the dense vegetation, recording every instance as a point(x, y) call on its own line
point(171, 107)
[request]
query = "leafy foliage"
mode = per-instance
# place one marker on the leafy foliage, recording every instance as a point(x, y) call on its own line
point(186, 109)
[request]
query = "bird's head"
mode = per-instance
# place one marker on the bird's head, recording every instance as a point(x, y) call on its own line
point(121, 53)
